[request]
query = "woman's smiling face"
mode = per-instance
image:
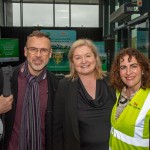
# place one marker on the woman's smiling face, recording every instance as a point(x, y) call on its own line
point(84, 61)
point(130, 72)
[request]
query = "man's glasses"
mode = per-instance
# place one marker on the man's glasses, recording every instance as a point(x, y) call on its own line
point(34, 50)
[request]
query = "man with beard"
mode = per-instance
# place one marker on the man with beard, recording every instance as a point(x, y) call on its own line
point(28, 125)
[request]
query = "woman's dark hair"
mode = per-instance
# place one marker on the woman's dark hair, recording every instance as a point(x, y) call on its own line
point(143, 61)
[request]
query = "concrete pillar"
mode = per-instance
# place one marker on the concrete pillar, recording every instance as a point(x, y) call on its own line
point(1, 13)
point(106, 14)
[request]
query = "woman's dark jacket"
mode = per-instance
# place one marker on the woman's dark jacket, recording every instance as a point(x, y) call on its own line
point(66, 131)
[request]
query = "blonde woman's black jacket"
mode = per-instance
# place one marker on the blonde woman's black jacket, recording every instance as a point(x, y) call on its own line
point(10, 116)
point(66, 129)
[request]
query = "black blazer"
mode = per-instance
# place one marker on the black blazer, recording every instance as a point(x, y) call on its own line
point(10, 116)
point(66, 132)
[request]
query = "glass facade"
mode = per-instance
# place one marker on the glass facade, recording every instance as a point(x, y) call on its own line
point(62, 15)
point(140, 37)
point(84, 16)
point(38, 15)
point(55, 15)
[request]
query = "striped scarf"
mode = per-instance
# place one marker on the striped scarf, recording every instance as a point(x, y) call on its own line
point(30, 132)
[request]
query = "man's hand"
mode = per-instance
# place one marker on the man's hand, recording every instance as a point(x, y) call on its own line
point(5, 103)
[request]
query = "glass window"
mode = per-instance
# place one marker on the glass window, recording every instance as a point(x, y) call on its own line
point(140, 37)
point(84, 16)
point(62, 15)
point(16, 14)
point(81, 15)
point(37, 15)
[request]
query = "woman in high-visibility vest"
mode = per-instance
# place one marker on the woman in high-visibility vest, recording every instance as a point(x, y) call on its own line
point(130, 119)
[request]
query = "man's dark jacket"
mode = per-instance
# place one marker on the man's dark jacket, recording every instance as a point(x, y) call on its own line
point(10, 116)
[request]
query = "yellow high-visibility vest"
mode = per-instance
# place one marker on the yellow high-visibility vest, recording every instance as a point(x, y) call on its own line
point(131, 130)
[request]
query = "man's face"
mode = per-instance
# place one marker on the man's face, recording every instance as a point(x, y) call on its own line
point(37, 59)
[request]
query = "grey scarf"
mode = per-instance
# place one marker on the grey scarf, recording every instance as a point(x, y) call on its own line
point(30, 132)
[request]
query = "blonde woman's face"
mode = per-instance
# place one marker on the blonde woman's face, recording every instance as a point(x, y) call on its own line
point(84, 61)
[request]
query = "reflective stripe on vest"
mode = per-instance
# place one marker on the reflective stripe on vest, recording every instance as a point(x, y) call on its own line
point(146, 107)
point(130, 140)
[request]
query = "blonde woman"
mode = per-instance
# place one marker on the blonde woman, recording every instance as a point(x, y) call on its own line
point(83, 102)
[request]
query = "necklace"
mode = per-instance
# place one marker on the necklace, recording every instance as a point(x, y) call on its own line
point(124, 93)
point(123, 102)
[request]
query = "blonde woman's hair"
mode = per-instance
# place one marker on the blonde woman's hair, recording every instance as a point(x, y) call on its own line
point(85, 42)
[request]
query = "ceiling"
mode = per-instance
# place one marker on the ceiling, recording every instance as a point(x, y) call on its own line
point(90, 2)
